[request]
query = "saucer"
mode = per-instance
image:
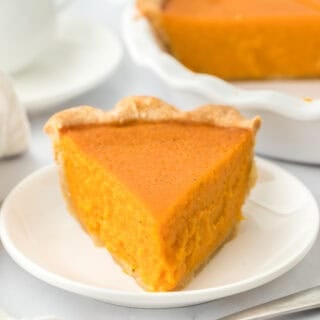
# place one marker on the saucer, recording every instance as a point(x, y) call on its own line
point(43, 238)
point(84, 55)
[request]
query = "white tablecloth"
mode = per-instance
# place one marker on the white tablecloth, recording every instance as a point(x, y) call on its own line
point(24, 296)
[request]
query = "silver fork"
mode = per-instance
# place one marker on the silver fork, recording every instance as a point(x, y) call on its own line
point(300, 301)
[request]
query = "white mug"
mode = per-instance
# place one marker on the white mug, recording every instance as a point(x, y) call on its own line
point(27, 30)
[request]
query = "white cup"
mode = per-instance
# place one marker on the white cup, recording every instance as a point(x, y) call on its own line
point(27, 30)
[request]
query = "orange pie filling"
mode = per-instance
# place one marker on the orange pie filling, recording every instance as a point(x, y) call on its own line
point(240, 39)
point(161, 197)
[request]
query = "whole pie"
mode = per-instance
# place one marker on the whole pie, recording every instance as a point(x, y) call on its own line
point(240, 39)
point(160, 188)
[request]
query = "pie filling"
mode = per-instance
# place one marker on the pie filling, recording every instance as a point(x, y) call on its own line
point(240, 39)
point(221, 9)
point(161, 197)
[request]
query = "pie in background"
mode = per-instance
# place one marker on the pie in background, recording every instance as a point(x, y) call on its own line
point(240, 39)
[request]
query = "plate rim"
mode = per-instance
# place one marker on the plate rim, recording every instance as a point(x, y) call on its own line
point(152, 299)
point(177, 75)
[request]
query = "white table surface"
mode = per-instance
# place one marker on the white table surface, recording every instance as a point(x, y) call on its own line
point(24, 296)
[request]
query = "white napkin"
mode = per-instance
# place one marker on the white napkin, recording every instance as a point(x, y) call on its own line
point(14, 127)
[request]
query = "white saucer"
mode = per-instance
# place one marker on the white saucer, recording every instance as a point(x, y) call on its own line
point(44, 239)
point(85, 54)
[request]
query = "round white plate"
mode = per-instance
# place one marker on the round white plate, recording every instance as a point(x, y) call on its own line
point(84, 55)
point(291, 123)
point(43, 238)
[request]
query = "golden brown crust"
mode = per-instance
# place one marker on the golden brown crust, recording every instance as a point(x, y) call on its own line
point(150, 7)
point(142, 108)
point(152, 10)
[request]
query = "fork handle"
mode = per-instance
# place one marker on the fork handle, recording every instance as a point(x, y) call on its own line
point(300, 301)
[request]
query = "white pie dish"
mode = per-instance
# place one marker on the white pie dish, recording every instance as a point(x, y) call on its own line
point(43, 238)
point(291, 123)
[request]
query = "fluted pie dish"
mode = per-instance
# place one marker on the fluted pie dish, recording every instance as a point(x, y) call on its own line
point(160, 188)
point(290, 108)
point(240, 39)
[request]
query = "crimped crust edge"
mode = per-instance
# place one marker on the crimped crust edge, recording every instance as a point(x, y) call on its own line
point(149, 109)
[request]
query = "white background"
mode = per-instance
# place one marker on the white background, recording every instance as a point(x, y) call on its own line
point(24, 296)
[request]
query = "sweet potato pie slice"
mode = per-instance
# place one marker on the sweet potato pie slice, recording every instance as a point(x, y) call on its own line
point(161, 189)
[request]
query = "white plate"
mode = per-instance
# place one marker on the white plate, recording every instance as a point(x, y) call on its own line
point(291, 124)
point(84, 55)
point(44, 239)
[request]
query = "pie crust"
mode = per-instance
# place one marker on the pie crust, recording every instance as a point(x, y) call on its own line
point(148, 109)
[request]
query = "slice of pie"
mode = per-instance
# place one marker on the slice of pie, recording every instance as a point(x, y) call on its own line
point(161, 189)
point(240, 39)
